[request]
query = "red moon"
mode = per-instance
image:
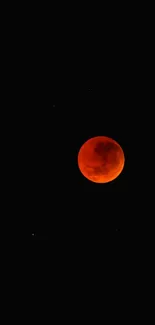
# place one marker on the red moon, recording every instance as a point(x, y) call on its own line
point(101, 159)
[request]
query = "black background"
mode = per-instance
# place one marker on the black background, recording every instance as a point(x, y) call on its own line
point(89, 246)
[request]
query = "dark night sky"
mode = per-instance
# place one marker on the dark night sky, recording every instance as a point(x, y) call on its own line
point(60, 99)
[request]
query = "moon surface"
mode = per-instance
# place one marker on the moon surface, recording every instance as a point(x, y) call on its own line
point(101, 159)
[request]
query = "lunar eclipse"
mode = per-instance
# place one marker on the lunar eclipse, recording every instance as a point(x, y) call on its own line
point(101, 159)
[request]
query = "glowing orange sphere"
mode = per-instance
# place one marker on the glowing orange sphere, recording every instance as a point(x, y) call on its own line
point(101, 159)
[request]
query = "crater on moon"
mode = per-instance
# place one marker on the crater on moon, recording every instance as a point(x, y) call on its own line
point(99, 170)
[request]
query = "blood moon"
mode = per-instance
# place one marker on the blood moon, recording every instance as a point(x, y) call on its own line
point(101, 159)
